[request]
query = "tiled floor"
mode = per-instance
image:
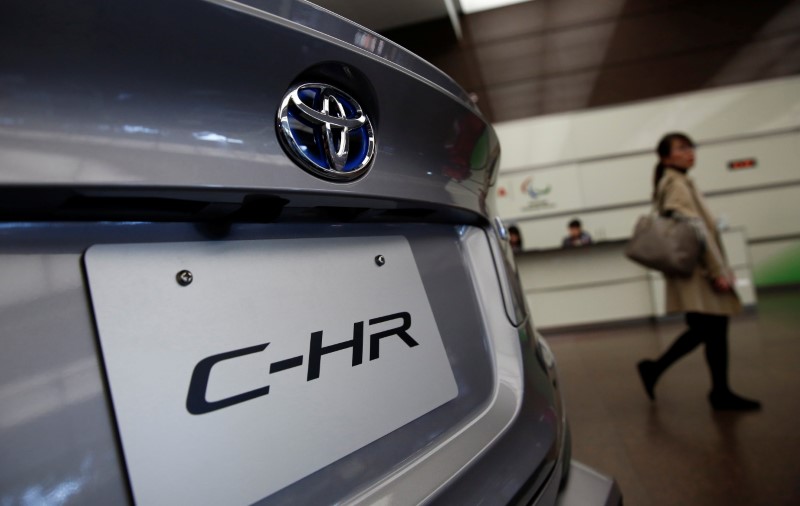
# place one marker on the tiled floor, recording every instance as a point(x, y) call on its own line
point(677, 451)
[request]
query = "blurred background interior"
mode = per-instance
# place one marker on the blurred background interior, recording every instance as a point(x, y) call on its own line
point(580, 92)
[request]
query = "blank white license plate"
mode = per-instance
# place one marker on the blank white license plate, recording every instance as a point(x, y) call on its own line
point(277, 359)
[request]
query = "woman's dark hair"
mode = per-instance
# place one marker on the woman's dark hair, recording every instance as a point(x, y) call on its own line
point(663, 150)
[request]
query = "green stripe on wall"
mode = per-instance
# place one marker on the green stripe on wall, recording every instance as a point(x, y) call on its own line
point(782, 269)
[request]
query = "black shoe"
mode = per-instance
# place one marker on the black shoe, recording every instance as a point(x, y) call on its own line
point(649, 375)
point(729, 401)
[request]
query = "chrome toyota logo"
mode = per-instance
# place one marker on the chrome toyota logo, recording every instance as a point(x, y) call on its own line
point(326, 132)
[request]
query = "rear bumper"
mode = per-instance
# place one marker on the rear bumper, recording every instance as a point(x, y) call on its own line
point(587, 487)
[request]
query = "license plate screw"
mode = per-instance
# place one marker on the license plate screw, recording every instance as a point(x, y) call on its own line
point(184, 278)
point(379, 260)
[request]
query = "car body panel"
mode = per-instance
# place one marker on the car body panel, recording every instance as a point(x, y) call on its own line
point(180, 105)
point(155, 122)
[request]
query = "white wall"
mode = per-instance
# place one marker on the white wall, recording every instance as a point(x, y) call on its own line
point(597, 165)
point(760, 107)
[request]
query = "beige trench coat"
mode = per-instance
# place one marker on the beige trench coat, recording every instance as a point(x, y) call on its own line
point(696, 293)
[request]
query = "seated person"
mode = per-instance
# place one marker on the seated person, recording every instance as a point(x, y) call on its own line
point(577, 237)
point(515, 238)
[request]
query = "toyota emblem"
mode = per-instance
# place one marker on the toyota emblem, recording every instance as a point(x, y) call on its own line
point(326, 132)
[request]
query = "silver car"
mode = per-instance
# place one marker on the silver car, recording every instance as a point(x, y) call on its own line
point(248, 255)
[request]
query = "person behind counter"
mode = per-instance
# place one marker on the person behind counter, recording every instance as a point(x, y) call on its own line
point(515, 239)
point(577, 237)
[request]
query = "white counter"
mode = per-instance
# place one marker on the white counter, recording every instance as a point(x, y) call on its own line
point(597, 283)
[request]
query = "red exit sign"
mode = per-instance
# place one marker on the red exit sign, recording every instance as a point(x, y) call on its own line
point(746, 163)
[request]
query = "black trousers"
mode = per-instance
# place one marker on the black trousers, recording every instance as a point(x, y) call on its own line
point(711, 330)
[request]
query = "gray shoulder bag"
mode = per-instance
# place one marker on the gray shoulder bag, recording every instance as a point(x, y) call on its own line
point(670, 244)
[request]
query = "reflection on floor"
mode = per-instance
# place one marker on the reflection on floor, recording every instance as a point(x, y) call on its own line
point(677, 451)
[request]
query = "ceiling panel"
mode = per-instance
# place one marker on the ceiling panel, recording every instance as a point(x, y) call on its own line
point(545, 56)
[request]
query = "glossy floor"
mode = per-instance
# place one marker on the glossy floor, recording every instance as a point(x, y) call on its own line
point(677, 450)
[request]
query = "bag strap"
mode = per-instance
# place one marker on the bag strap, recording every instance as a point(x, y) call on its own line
point(658, 199)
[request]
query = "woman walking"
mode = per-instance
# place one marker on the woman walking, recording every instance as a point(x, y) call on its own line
point(707, 296)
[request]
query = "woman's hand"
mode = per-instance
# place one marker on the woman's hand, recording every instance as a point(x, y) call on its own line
point(723, 284)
